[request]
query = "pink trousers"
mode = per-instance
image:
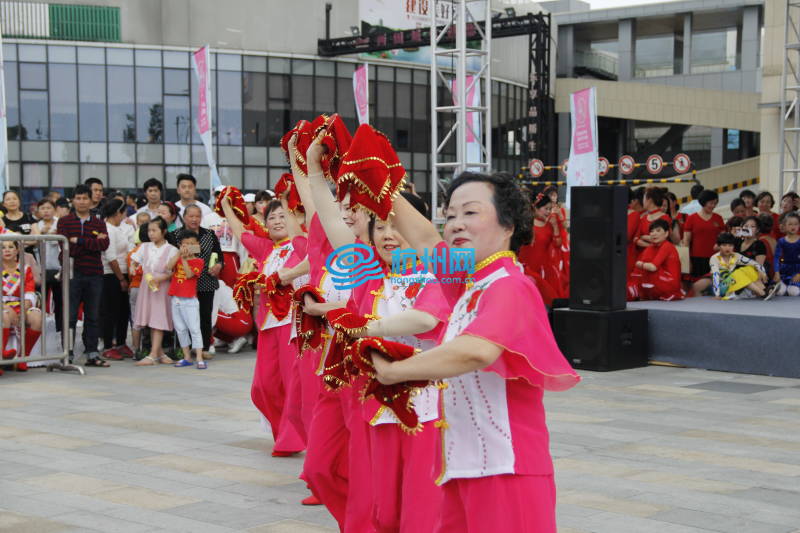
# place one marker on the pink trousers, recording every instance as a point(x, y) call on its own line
point(304, 393)
point(272, 377)
point(337, 464)
point(509, 502)
point(406, 498)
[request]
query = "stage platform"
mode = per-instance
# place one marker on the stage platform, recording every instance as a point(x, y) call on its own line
point(748, 336)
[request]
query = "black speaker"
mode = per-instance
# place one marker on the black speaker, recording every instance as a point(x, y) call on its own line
point(598, 247)
point(602, 340)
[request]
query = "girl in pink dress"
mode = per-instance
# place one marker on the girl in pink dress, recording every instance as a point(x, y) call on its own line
point(496, 360)
point(153, 307)
point(275, 356)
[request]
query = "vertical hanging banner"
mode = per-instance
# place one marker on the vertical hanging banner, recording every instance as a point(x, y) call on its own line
point(3, 125)
point(202, 69)
point(474, 123)
point(582, 167)
point(361, 92)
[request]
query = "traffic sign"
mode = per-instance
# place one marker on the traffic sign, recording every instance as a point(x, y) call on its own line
point(626, 164)
point(536, 168)
point(654, 164)
point(602, 166)
point(682, 163)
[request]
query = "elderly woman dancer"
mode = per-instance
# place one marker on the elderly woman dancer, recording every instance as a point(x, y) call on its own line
point(497, 360)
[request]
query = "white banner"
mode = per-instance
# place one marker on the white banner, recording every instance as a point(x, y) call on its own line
point(202, 69)
point(361, 92)
point(3, 125)
point(405, 14)
point(582, 168)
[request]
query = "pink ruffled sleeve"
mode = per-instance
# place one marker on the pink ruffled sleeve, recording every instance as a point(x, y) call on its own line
point(530, 350)
point(259, 248)
point(299, 249)
point(451, 291)
point(318, 248)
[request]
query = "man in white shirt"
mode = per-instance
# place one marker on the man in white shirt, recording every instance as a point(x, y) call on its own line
point(187, 190)
point(153, 191)
point(693, 206)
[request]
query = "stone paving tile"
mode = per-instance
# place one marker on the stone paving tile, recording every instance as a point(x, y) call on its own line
point(656, 449)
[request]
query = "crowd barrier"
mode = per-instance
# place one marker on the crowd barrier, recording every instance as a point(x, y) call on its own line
point(42, 353)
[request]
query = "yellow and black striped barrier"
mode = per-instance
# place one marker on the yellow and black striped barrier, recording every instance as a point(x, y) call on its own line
point(727, 188)
point(646, 181)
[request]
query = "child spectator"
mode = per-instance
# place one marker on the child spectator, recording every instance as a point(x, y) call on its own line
point(152, 303)
point(657, 275)
point(750, 245)
point(62, 207)
point(787, 258)
point(185, 307)
point(734, 275)
point(142, 220)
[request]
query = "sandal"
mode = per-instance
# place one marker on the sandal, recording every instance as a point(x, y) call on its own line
point(96, 361)
point(202, 365)
point(146, 361)
point(165, 360)
point(183, 362)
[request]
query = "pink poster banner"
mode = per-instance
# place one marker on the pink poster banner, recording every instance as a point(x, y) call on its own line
point(582, 167)
point(582, 138)
point(202, 70)
point(361, 92)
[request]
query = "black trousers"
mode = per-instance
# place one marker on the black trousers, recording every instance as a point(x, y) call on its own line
point(54, 286)
point(206, 300)
point(114, 312)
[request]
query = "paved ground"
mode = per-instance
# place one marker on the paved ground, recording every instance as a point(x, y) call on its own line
point(163, 449)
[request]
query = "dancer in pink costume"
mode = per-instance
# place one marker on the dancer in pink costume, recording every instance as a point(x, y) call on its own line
point(276, 356)
point(496, 359)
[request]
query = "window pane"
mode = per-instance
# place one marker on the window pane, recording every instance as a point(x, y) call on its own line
point(254, 102)
point(148, 58)
point(325, 95)
point(149, 109)
point(121, 111)
point(229, 100)
point(61, 54)
point(63, 102)
point(655, 56)
point(91, 55)
point(345, 104)
point(176, 81)
point(32, 76)
point(119, 56)
point(177, 125)
point(176, 59)
point(714, 51)
point(33, 111)
point(36, 174)
point(92, 102)
point(32, 52)
point(12, 99)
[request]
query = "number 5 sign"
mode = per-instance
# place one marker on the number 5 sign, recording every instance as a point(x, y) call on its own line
point(655, 164)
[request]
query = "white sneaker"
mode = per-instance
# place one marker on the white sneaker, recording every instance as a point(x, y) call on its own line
point(237, 345)
point(211, 349)
point(219, 342)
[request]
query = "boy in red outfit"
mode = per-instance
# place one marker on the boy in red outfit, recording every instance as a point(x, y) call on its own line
point(185, 307)
point(657, 275)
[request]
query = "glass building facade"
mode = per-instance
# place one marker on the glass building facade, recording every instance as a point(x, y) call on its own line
point(126, 114)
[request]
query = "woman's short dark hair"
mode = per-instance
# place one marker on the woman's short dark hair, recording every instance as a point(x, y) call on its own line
point(143, 236)
point(272, 206)
point(161, 223)
point(112, 207)
point(173, 210)
point(513, 208)
point(43, 201)
point(10, 191)
point(765, 224)
point(636, 194)
point(263, 196)
point(757, 220)
point(726, 238)
point(735, 222)
point(736, 202)
point(707, 196)
point(747, 193)
point(656, 195)
point(660, 223)
point(765, 194)
point(696, 190)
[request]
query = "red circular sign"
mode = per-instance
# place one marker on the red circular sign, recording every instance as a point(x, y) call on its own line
point(626, 164)
point(564, 166)
point(536, 168)
point(681, 163)
point(654, 164)
point(602, 166)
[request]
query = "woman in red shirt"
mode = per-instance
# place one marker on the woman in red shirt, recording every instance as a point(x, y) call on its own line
point(539, 257)
point(654, 198)
point(657, 275)
point(700, 233)
point(635, 201)
point(765, 202)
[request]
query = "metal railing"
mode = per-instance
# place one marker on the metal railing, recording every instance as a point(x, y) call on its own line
point(63, 356)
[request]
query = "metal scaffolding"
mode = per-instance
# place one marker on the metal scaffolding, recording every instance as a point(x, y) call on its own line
point(470, 124)
point(790, 93)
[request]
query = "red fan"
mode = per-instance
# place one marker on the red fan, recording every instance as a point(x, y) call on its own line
point(280, 296)
point(371, 172)
point(287, 186)
point(309, 328)
point(345, 324)
point(396, 397)
point(244, 289)
point(237, 202)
